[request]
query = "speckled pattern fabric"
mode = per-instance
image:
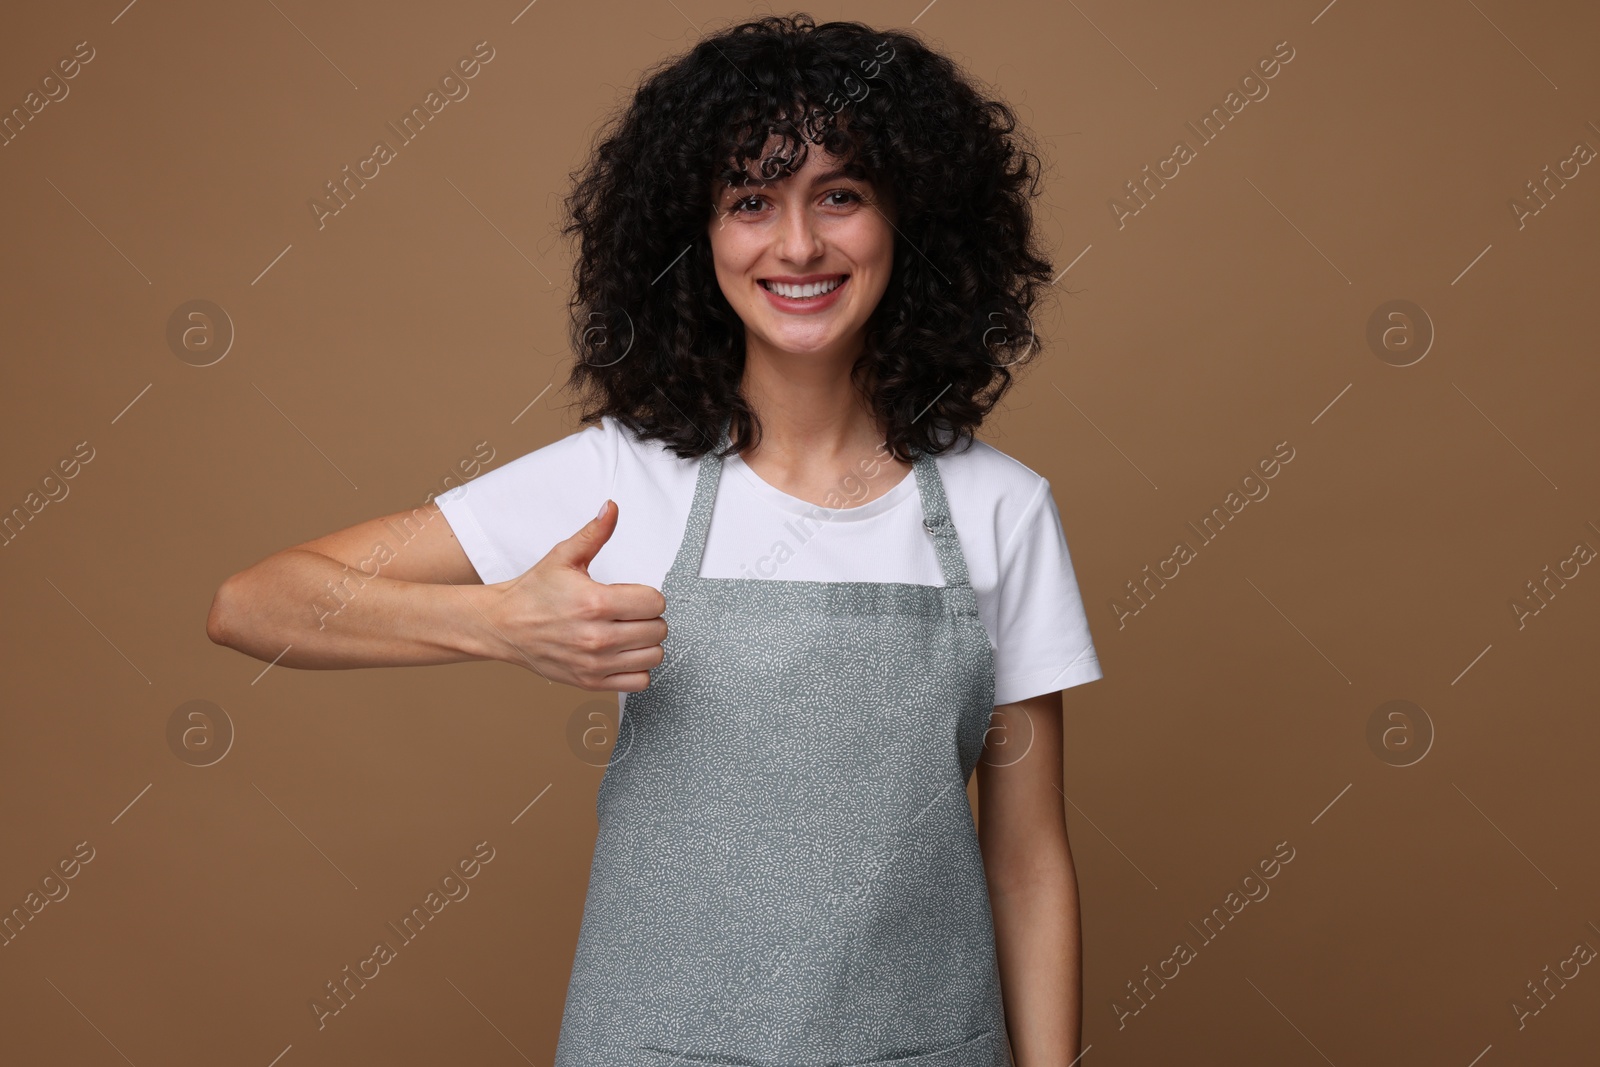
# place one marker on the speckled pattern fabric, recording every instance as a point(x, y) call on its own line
point(786, 872)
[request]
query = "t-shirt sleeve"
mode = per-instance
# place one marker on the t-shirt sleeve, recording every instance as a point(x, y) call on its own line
point(1044, 641)
point(509, 518)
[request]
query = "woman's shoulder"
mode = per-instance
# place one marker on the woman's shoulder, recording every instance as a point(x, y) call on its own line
point(563, 476)
point(605, 443)
point(509, 517)
point(645, 460)
point(1000, 499)
point(984, 474)
point(646, 473)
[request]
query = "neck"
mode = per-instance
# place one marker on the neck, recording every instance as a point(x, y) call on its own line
point(808, 411)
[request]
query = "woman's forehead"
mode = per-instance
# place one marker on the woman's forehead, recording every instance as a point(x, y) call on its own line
point(768, 167)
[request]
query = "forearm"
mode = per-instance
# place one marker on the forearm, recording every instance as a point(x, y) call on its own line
point(330, 616)
point(1039, 948)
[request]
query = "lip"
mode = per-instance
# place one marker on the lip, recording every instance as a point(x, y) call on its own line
point(804, 305)
point(803, 279)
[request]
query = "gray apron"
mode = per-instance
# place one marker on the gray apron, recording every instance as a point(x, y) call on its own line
point(786, 870)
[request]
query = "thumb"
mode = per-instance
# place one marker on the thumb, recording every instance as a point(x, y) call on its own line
point(580, 549)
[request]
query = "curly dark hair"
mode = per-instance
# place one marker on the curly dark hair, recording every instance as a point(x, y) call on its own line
point(657, 345)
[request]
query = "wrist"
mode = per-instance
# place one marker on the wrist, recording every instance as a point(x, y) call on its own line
point(478, 632)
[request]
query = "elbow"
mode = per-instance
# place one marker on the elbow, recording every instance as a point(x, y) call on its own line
point(219, 620)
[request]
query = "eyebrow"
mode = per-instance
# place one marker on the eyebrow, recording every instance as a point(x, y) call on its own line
point(825, 176)
point(836, 172)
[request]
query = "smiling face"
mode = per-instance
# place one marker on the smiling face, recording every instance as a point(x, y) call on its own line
point(804, 259)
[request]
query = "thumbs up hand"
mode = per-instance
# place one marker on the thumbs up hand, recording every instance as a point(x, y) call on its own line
point(574, 630)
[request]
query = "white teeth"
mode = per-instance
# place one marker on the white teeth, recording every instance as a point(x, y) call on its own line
point(800, 292)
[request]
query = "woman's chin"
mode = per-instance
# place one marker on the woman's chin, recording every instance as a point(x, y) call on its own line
point(802, 342)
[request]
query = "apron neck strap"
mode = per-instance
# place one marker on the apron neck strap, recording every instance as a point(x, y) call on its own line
point(930, 489)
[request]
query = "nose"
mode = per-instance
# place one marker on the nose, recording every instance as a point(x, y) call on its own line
point(797, 235)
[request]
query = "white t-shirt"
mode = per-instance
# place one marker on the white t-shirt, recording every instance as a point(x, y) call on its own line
point(508, 518)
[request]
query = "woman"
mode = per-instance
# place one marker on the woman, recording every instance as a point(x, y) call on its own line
point(806, 266)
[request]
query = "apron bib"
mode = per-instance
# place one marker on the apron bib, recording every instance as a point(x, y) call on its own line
point(786, 871)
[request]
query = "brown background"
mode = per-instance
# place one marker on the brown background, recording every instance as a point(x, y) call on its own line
point(371, 355)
